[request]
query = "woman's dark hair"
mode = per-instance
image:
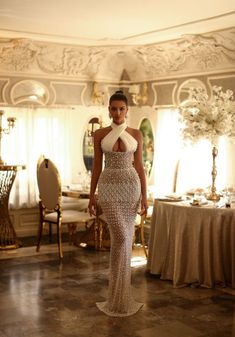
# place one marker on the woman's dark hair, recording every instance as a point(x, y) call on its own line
point(118, 96)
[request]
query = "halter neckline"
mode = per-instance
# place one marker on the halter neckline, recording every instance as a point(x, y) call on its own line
point(122, 126)
point(118, 131)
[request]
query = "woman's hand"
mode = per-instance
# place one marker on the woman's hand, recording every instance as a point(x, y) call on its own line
point(92, 206)
point(144, 206)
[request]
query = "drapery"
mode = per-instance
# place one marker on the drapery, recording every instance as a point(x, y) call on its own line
point(37, 131)
point(58, 134)
point(187, 166)
point(167, 149)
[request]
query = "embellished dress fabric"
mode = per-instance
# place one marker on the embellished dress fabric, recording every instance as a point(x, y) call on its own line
point(119, 194)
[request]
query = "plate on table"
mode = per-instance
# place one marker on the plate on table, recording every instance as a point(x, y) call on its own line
point(206, 203)
point(199, 203)
point(170, 198)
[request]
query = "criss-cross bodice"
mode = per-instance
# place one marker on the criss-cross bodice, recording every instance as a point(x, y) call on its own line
point(118, 131)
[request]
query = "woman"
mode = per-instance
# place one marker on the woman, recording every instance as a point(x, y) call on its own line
point(121, 190)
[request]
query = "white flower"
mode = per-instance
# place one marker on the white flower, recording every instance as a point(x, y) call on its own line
point(208, 117)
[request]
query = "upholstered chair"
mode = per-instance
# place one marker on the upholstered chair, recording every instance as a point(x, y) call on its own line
point(50, 205)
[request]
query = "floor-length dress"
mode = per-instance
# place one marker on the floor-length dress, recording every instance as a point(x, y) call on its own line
point(119, 195)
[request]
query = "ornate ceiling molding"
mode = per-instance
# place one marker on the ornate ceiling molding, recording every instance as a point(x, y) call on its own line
point(190, 55)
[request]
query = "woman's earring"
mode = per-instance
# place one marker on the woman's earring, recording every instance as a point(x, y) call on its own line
point(110, 116)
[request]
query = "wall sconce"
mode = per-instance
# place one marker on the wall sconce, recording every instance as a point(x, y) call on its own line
point(10, 125)
point(139, 93)
point(97, 96)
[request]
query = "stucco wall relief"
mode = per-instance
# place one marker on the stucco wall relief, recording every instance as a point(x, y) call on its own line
point(191, 54)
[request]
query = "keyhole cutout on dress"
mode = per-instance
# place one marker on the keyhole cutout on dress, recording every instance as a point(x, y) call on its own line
point(119, 146)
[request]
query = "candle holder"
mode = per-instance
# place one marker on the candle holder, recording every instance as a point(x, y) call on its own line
point(213, 195)
point(7, 130)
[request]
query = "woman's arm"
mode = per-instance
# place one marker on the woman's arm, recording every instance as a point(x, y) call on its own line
point(96, 170)
point(138, 164)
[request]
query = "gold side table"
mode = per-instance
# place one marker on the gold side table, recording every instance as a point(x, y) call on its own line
point(8, 239)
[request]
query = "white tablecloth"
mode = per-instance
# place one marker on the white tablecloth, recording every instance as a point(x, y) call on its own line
point(190, 244)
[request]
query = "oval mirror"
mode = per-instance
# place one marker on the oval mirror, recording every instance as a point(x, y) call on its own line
point(148, 145)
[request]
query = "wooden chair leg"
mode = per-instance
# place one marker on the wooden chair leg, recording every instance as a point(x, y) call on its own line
point(96, 227)
point(40, 227)
point(40, 230)
point(59, 239)
point(50, 233)
point(72, 231)
point(100, 236)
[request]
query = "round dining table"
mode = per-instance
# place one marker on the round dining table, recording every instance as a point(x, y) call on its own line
point(192, 245)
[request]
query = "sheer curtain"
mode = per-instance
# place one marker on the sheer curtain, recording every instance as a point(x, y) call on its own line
point(37, 131)
point(58, 134)
point(188, 166)
point(167, 150)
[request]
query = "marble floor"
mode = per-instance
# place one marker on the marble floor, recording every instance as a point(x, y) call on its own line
point(42, 297)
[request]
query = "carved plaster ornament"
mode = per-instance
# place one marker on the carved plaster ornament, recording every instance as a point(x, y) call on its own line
point(97, 96)
point(191, 53)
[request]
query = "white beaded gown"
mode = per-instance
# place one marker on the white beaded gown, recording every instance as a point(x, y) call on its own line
point(119, 194)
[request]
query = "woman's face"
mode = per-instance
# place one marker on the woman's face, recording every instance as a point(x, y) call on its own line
point(118, 111)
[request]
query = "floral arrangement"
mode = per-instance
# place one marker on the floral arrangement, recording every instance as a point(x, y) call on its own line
point(208, 117)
